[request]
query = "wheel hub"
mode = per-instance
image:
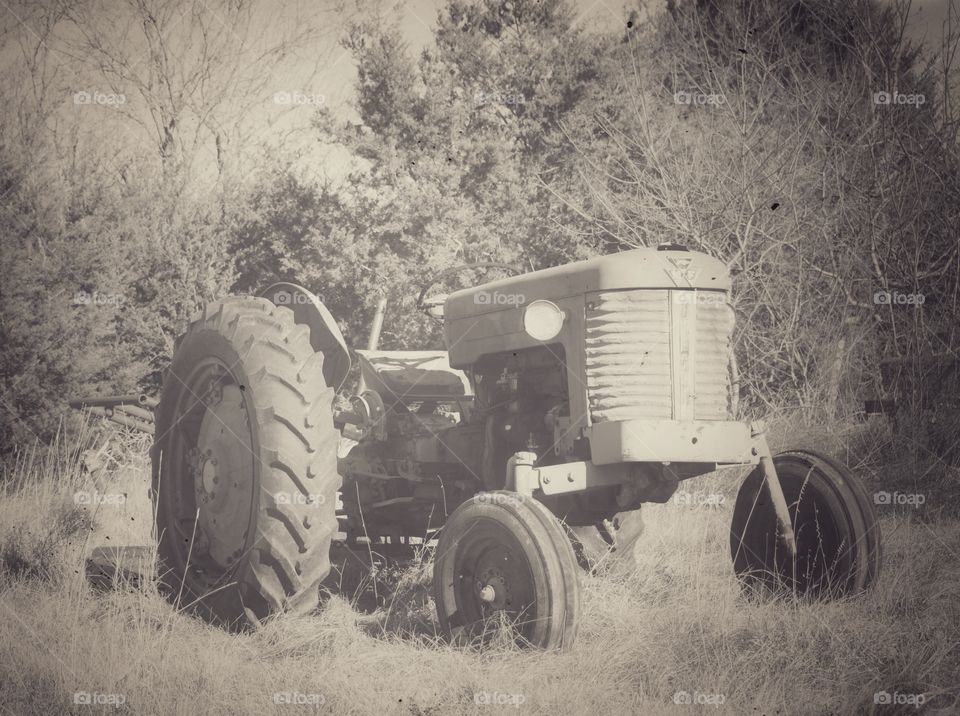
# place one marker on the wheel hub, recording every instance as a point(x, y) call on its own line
point(493, 590)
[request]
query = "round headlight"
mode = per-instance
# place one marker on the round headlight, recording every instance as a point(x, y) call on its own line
point(543, 320)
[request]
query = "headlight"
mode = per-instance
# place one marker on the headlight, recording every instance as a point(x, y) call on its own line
point(543, 320)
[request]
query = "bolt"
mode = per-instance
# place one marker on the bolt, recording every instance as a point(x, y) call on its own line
point(569, 477)
point(546, 480)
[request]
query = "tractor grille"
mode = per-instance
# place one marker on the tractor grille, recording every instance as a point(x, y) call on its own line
point(658, 354)
point(714, 328)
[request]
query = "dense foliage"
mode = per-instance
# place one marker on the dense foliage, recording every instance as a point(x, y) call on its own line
point(750, 130)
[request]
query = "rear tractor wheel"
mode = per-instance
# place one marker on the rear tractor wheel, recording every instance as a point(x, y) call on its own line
point(838, 538)
point(245, 466)
point(504, 566)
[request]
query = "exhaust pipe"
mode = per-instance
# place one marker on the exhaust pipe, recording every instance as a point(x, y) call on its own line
point(374, 339)
point(377, 325)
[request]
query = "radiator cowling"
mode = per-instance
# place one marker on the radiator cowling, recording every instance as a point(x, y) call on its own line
point(658, 353)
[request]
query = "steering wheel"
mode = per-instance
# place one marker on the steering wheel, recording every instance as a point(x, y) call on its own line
point(433, 306)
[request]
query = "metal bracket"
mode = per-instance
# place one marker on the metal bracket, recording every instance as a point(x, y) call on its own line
point(521, 476)
point(758, 433)
point(567, 477)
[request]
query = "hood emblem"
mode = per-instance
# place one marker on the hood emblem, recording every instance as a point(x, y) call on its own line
point(681, 273)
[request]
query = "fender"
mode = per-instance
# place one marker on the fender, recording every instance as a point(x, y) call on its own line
point(325, 336)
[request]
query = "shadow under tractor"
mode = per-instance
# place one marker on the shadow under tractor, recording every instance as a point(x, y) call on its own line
point(566, 399)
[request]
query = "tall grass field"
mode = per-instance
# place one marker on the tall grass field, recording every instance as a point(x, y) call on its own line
point(671, 634)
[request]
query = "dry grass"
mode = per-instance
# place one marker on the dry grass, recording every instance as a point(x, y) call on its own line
point(677, 624)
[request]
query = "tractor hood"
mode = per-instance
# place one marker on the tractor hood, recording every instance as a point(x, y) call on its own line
point(637, 268)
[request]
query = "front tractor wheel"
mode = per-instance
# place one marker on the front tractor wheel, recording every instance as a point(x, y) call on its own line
point(503, 565)
point(838, 538)
point(244, 466)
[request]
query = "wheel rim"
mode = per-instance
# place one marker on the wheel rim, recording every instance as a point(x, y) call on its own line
point(214, 456)
point(494, 580)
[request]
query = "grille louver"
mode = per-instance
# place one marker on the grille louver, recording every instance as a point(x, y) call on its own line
point(633, 341)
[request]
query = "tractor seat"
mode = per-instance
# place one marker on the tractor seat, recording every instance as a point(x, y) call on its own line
point(413, 376)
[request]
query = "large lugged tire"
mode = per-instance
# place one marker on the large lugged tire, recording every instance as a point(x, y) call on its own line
point(838, 537)
point(245, 466)
point(503, 559)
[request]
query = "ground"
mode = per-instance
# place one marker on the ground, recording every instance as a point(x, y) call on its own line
point(674, 636)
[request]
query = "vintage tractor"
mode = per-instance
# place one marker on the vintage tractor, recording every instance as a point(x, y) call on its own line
point(565, 397)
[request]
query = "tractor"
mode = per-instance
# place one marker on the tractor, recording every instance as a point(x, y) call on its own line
point(566, 398)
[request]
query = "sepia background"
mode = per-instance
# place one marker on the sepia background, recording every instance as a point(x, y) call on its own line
point(157, 154)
